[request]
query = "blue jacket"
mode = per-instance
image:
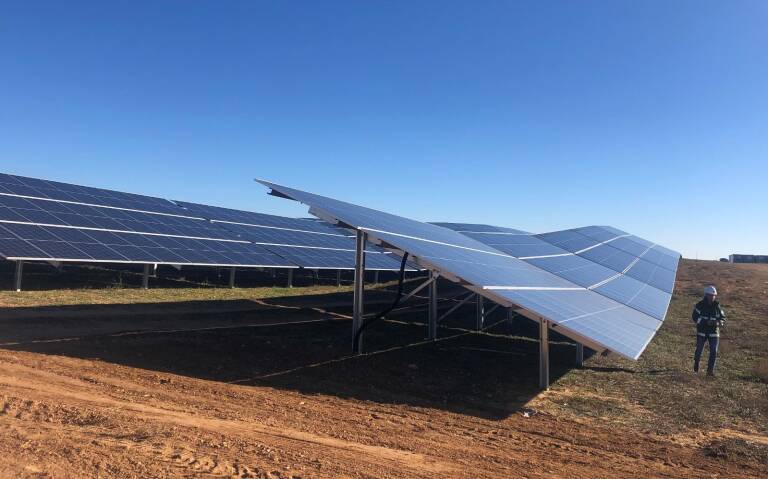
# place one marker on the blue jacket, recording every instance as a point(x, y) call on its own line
point(709, 318)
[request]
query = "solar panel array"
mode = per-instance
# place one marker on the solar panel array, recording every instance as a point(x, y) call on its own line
point(549, 276)
point(307, 243)
point(53, 221)
point(620, 266)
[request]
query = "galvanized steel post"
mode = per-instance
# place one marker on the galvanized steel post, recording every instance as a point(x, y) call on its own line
point(543, 355)
point(432, 319)
point(358, 292)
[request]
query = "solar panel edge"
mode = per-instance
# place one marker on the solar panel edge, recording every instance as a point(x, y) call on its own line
point(319, 206)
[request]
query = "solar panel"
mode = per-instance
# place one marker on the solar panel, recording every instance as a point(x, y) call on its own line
point(589, 316)
point(48, 220)
point(308, 243)
point(38, 188)
point(586, 257)
point(477, 228)
point(45, 220)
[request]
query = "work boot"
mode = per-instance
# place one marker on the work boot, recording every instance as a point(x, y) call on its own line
point(696, 368)
point(710, 373)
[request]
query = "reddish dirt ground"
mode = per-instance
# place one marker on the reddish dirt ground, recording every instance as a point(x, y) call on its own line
point(242, 390)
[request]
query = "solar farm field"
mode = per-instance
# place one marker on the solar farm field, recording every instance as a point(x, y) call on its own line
point(106, 381)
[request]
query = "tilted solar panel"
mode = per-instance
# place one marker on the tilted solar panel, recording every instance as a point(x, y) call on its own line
point(585, 256)
point(308, 243)
point(52, 230)
point(576, 310)
point(38, 188)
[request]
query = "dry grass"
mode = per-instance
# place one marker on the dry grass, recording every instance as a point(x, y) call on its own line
point(660, 389)
point(658, 393)
point(761, 370)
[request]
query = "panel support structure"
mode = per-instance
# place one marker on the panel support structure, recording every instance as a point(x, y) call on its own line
point(232, 272)
point(290, 278)
point(543, 355)
point(579, 355)
point(358, 292)
point(145, 276)
point(338, 278)
point(376, 277)
point(480, 313)
point(19, 271)
point(432, 320)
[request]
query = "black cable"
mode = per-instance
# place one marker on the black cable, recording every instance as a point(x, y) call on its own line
point(385, 312)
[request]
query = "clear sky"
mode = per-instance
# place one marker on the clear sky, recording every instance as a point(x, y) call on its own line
point(650, 116)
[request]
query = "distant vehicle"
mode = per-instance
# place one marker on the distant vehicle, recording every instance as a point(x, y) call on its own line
point(748, 258)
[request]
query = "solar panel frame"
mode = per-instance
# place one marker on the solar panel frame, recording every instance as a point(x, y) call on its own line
point(463, 267)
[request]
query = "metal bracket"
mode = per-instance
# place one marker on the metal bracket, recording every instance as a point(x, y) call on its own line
point(464, 301)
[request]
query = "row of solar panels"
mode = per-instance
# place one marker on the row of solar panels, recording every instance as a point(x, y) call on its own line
point(53, 221)
point(598, 285)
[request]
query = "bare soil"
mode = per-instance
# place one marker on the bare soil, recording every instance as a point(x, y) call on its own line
point(258, 382)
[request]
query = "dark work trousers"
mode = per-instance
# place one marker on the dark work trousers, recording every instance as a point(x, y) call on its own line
point(714, 342)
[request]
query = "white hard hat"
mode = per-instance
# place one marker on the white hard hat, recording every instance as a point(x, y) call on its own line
point(710, 290)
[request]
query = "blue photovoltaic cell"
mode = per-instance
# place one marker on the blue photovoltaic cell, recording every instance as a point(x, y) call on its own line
point(637, 295)
point(477, 228)
point(654, 275)
point(74, 222)
point(568, 240)
point(598, 233)
point(575, 269)
point(610, 257)
point(518, 245)
point(308, 243)
point(19, 185)
point(599, 265)
point(331, 259)
point(584, 312)
point(630, 246)
point(69, 243)
point(360, 217)
point(657, 257)
point(602, 320)
point(254, 219)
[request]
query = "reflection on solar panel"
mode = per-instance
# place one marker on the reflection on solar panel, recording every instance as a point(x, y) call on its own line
point(307, 243)
point(53, 221)
point(587, 256)
point(58, 225)
point(553, 283)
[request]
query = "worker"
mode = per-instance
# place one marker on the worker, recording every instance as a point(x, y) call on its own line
point(709, 318)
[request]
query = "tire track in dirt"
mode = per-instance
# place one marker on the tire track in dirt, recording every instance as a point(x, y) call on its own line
point(57, 388)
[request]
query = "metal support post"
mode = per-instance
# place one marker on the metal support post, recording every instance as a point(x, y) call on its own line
point(579, 355)
point(543, 355)
point(480, 313)
point(432, 320)
point(338, 278)
point(290, 278)
point(145, 277)
point(376, 277)
point(358, 292)
point(17, 275)
point(232, 271)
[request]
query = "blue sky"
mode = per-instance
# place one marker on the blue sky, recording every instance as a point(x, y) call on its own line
point(650, 116)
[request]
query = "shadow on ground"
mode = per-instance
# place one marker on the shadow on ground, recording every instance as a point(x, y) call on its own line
point(299, 343)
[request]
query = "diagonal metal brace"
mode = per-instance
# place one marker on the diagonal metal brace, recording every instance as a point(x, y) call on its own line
point(418, 288)
point(456, 306)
